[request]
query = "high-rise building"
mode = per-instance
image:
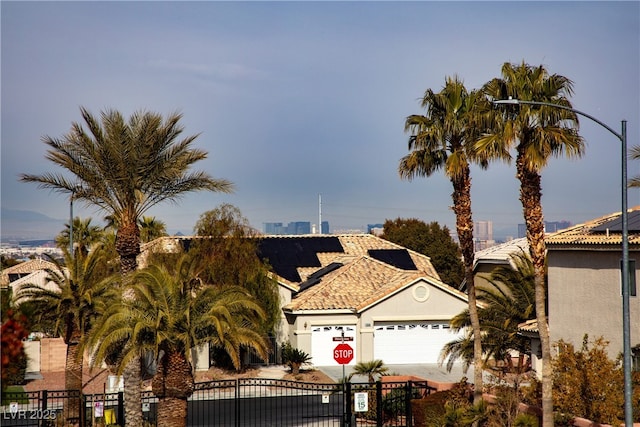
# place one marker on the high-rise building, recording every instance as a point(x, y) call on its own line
point(272, 228)
point(294, 227)
point(483, 231)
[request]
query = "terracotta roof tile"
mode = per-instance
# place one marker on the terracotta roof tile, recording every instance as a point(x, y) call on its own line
point(354, 286)
point(584, 234)
point(25, 268)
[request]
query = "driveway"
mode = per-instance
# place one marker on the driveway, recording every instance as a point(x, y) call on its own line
point(433, 372)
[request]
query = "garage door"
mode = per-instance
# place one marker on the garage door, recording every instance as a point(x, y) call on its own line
point(325, 338)
point(410, 342)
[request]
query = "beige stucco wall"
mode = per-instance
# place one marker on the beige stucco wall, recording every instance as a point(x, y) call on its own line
point(585, 297)
point(32, 350)
point(401, 306)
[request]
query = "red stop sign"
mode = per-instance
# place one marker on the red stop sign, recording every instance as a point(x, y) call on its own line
point(343, 353)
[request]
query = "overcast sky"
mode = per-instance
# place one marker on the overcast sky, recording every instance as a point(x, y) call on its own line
point(296, 99)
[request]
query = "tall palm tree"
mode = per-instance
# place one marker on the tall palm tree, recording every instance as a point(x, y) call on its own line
point(444, 139)
point(537, 133)
point(85, 235)
point(635, 155)
point(506, 300)
point(72, 299)
point(151, 228)
point(124, 168)
point(371, 369)
point(173, 311)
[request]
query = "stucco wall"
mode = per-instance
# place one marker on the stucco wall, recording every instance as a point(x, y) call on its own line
point(53, 352)
point(585, 298)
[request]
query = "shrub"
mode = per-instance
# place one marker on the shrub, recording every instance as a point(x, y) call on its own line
point(590, 374)
point(294, 357)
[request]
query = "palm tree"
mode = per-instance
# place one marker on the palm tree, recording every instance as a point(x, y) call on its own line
point(85, 235)
point(537, 133)
point(172, 312)
point(444, 139)
point(507, 300)
point(72, 299)
point(151, 228)
point(371, 369)
point(635, 155)
point(125, 168)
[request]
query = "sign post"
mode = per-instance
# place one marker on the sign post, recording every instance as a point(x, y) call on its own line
point(343, 354)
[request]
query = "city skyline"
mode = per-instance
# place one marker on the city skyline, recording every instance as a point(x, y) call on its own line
point(296, 99)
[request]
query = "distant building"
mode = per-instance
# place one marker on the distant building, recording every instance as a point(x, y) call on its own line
point(483, 231)
point(294, 227)
point(549, 227)
point(273, 228)
point(376, 229)
point(325, 227)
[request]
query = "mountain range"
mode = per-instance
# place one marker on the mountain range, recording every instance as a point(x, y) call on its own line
point(24, 224)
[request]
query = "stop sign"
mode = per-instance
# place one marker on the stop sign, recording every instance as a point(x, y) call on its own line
point(343, 353)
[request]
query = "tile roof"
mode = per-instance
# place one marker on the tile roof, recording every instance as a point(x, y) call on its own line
point(354, 246)
point(501, 254)
point(354, 286)
point(360, 280)
point(25, 268)
point(529, 327)
point(587, 234)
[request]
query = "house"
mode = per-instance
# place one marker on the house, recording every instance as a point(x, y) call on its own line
point(32, 271)
point(487, 260)
point(387, 300)
point(584, 281)
point(23, 269)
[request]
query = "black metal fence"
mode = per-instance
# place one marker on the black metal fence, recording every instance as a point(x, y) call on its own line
point(232, 403)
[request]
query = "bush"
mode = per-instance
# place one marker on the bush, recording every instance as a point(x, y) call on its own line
point(435, 409)
point(294, 357)
point(590, 374)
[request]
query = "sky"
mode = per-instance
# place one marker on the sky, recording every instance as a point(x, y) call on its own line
point(296, 99)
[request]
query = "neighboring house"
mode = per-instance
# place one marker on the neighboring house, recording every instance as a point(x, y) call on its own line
point(389, 301)
point(487, 260)
point(585, 293)
point(18, 271)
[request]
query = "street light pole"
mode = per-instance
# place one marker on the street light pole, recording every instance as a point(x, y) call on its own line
point(626, 319)
point(71, 225)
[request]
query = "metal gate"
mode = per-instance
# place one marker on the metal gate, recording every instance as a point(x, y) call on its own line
point(246, 402)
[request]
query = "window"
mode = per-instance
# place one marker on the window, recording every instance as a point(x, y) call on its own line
point(632, 278)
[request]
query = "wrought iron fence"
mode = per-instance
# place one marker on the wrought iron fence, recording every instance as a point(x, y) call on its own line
point(41, 408)
point(245, 402)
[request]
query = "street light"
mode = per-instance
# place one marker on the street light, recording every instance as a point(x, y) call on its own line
point(626, 320)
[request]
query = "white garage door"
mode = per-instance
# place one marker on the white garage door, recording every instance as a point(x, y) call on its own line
point(325, 338)
point(410, 342)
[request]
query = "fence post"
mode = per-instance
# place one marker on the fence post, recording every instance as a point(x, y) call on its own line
point(379, 403)
point(347, 403)
point(44, 400)
point(407, 403)
point(83, 409)
point(121, 420)
point(237, 403)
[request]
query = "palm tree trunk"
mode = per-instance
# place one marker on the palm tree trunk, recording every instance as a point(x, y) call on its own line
point(128, 247)
point(464, 227)
point(132, 394)
point(531, 198)
point(73, 377)
point(172, 412)
point(173, 384)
